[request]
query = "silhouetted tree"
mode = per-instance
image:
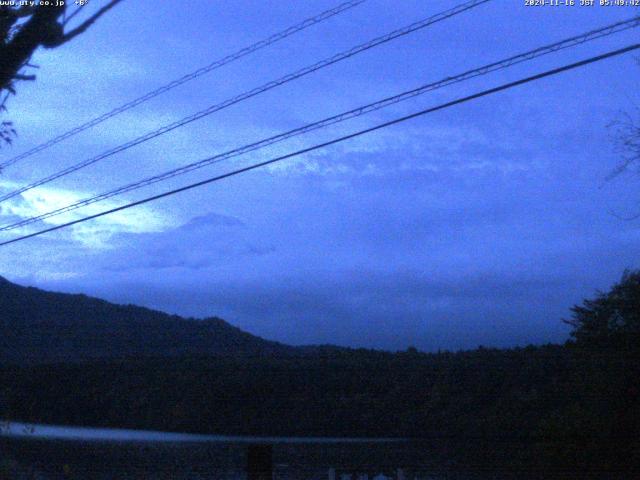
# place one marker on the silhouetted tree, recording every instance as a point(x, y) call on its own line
point(23, 29)
point(612, 318)
point(627, 137)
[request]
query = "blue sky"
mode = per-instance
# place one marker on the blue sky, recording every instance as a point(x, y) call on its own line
point(481, 224)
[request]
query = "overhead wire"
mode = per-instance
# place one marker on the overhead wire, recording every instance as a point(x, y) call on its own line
point(185, 78)
point(483, 70)
point(334, 141)
point(252, 93)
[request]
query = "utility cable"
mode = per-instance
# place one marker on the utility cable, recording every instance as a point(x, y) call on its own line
point(492, 67)
point(252, 93)
point(184, 79)
point(359, 133)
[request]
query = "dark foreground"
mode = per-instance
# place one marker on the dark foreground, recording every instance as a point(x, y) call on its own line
point(201, 460)
point(68, 459)
point(539, 413)
point(554, 411)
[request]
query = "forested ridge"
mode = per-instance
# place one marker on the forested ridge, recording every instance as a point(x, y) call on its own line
point(577, 402)
point(37, 326)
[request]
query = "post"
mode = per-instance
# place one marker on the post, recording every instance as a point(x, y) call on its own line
point(260, 462)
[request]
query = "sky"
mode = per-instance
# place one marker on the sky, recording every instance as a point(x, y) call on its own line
point(481, 224)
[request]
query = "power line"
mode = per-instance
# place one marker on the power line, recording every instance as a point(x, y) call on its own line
point(492, 67)
point(256, 91)
point(443, 106)
point(187, 78)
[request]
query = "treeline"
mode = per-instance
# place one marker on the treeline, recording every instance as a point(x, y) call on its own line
point(357, 393)
point(37, 326)
point(570, 402)
point(577, 403)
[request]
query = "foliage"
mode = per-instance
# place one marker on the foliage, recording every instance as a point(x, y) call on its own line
point(24, 29)
point(7, 132)
point(626, 132)
point(575, 405)
point(612, 319)
point(40, 326)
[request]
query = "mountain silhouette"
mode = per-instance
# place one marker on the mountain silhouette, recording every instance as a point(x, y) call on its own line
point(42, 326)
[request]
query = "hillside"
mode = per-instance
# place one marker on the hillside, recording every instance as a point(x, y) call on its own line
point(574, 406)
point(42, 326)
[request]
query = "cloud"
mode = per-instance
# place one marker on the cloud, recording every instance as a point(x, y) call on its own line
point(381, 308)
point(211, 220)
point(437, 148)
point(477, 224)
point(95, 233)
point(203, 241)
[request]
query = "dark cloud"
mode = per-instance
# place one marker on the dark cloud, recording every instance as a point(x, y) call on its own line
point(211, 220)
point(387, 310)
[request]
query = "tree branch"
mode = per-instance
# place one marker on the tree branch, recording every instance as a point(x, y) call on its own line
point(83, 26)
point(70, 17)
point(21, 76)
